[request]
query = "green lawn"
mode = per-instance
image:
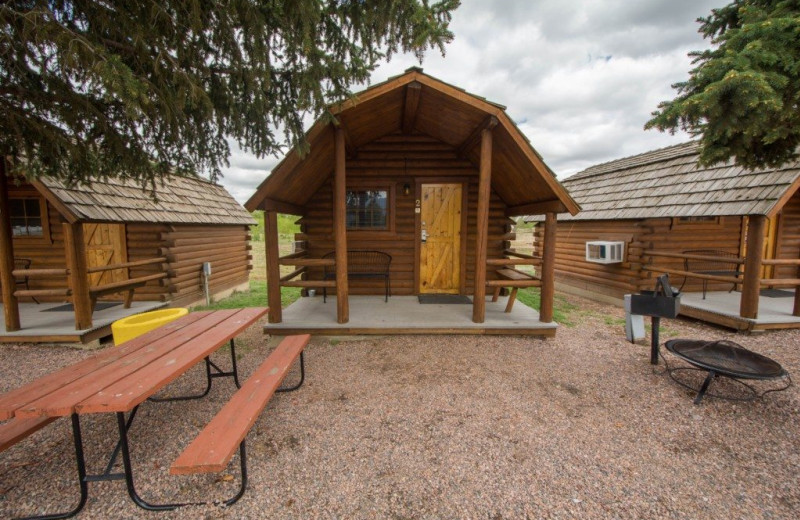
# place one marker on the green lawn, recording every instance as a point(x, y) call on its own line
point(256, 296)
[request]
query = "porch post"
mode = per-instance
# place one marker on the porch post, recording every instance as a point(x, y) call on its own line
point(340, 229)
point(10, 303)
point(482, 234)
point(273, 266)
point(548, 269)
point(751, 286)
point(78, 276)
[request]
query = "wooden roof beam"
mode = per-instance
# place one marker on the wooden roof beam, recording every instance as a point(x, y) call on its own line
point(475, 137)
point(413, 92)
point(537, 208)
point(282, 207)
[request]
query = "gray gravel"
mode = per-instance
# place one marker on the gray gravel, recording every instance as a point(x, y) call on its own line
point(580, 426)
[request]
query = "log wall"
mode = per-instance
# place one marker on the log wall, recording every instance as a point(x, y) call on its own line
point(789, 237)
point(394, 161)
point(664, 234)
point(187, 247)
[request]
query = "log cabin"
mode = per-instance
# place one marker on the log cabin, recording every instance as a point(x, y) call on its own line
point(422, 171)
point(114, 240)
point(713, 229)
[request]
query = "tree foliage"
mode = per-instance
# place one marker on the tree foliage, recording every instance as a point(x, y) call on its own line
point(742, 95)
point(146, 88)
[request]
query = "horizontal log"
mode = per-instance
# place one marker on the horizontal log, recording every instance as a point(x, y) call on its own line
point(710, 258)
point(44, 273)
point(136, 263)
point(43, 292)
point(514, 283)
point(689, 274)
point(299, 254)
point(308, 262)
point(309, 283)
point(513, 261)
point(778, 261)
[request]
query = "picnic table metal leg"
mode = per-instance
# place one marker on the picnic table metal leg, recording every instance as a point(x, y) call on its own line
point(210, 375)
point(123, 426)
point(84, 486)
point(302, 377)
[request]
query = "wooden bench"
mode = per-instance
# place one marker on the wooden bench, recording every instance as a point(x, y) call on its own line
point(515, 280)
point(361, 264)
point(215, 445)
point(717, 263)
point(15, 430)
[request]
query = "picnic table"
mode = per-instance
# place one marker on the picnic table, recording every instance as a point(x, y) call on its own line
point(120, 379)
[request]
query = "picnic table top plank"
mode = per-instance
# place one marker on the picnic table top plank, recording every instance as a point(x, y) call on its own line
point(214, 446)
point(134, 388)
point(64, 401)
point(12, 401)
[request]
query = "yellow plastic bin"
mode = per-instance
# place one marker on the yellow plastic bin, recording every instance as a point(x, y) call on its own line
point(136, 325)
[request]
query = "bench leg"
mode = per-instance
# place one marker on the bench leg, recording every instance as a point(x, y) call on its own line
point(496, 294)
point(302, 377)
point(123, 427)
point(128, 299)
point(511, 298)
point(82, 481)
point(218, 372)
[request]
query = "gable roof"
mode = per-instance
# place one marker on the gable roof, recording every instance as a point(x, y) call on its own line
point(179, 200)
point(669, 183)
point(444, 112)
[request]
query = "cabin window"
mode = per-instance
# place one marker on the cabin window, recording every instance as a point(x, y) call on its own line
point(26, 217)
point(695, 222)
point(367, 209)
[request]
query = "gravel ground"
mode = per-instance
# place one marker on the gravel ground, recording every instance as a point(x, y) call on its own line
point(580, 426)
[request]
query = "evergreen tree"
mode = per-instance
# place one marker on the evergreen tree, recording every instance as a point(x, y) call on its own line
point(742, 95)
point(146, 88)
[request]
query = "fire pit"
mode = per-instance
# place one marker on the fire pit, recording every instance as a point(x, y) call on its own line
point(726, 359)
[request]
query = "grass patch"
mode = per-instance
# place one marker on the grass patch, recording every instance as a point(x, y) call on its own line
point(256, 296)
point(562, 309)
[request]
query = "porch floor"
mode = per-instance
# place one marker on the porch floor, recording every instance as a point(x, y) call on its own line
point(39, 325)
point(722, 308)
point(405, 315)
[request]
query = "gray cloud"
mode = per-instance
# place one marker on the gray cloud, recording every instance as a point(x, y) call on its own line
point(581, 77)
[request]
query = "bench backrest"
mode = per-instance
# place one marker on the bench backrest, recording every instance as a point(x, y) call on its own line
point(362, 261)
point(725, 261)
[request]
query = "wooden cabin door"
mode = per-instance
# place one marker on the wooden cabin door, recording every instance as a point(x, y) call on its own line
point(105, 245)
point(440, 238)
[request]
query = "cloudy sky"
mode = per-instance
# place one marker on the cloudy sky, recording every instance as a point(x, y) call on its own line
point(580, 77)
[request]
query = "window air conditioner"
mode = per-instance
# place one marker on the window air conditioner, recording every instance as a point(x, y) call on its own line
point(605, 252)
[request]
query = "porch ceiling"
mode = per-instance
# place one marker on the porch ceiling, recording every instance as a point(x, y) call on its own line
point(417, 103)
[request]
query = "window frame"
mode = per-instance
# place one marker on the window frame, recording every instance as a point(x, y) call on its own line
point(390, 190)
point(43, 215)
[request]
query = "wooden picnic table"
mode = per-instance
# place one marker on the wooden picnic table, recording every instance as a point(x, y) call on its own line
point(120, 378)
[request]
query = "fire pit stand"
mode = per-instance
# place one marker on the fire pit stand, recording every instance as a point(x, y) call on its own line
point(725, 359)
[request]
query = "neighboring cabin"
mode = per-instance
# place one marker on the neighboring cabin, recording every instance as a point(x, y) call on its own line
point(162, 241)
point(663, 202)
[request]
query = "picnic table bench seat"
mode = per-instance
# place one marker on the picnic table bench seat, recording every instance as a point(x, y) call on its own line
point(14, 430)
point(361, 264)
point(215, 445)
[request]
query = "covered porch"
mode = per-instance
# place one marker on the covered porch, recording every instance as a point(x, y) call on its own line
point(406, 315)
point(775, 309)
point(55, 322)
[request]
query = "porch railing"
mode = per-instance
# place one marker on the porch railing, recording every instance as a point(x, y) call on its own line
point(762, 282)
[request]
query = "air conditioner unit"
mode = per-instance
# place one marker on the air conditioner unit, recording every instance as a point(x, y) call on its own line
point(605, 252)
